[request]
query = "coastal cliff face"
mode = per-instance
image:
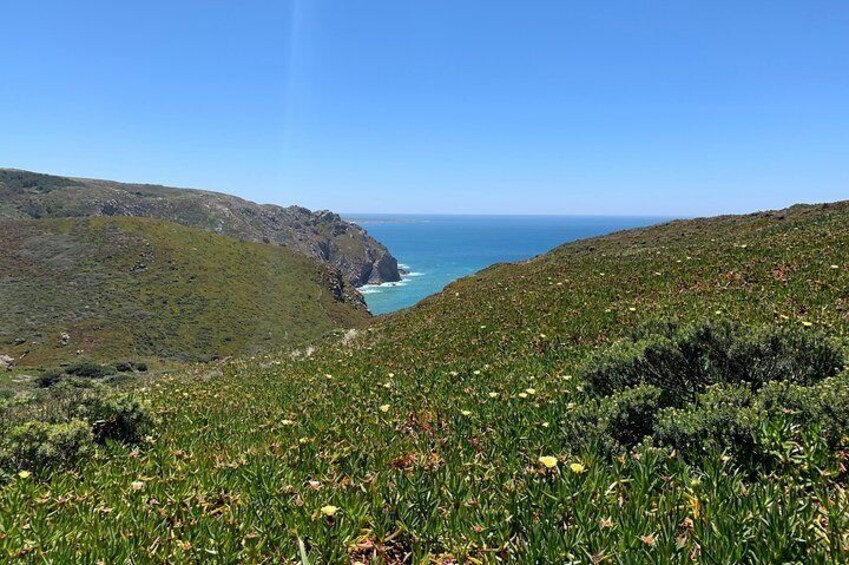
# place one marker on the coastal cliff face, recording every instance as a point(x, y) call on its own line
point(320, 235)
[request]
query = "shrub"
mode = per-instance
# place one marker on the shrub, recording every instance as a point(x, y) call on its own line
point(722, 418)
point(683, 365)
point(49, 378)
point(629, 415)
point(88, 370)
point(141, 367)
point(117, 418)
point(42, 446)
point(57, 426)
point(124, 367)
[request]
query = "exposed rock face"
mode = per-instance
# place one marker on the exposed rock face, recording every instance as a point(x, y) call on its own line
point(321, 235)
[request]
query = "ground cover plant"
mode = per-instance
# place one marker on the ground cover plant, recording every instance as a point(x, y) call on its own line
point(667, 395)
point(111, 287)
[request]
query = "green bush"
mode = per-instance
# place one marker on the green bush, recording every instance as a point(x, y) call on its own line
point(117, 418)
point(722, 388)
point(629, 415)
point(684, 364)
point(59, 425)
point(39, 446)
point(49, 378)
point(89, 370)
point(722, 418)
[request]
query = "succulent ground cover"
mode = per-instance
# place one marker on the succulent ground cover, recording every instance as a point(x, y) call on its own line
point(666, 395)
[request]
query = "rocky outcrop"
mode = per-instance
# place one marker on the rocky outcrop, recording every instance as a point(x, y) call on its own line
point(321, 235)
point(6, 362)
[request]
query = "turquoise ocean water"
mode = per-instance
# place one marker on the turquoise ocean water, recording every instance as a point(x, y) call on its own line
point(436, 250)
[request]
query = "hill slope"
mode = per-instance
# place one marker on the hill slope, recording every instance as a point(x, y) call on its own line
point(321, 235)
point(123, 286)
point(480, 426)
point(787, 266)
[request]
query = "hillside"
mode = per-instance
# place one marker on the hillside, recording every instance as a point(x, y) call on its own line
point(674, 394)
point(788, 266)
point(321, 235)
point(125, 287)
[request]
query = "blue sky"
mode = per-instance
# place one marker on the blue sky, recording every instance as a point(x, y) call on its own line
point(452, 106)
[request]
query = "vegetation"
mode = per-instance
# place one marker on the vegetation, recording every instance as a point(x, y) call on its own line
point(109, 288)
point(322, 236)
point(667, 395)
point(57, 428)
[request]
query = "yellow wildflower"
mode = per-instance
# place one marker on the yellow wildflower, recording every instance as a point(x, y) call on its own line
point(548, 461)
point(577, 468)
point(24, 474)
point(384, 408)
point(329, 510)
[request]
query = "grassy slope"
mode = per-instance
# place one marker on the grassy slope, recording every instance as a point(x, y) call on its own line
point(400, 429)
point(129, 287)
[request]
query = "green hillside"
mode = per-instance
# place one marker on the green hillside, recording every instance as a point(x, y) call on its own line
point(674, 394)
point(321, 235)
point(121, 288)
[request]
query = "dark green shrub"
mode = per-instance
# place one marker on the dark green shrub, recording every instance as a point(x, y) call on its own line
point(88, 370)
point(124, 367)
point(49, 378)
point(684, 365)
point(141, 367)
point(117, 418)
point(722, 418)
point(629, 415)
point(40, 446)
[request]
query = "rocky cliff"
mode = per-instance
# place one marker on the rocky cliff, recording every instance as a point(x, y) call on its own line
point(321, 235)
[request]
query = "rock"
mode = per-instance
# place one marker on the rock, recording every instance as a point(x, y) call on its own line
point(6, 362)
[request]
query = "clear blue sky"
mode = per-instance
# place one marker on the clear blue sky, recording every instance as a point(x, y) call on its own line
point(683, 108)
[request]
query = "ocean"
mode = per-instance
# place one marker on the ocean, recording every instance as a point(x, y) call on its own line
point(436, 250)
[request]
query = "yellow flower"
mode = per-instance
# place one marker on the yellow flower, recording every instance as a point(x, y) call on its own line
point(835, 266)
point(531, 390)
point(329, 510)
point(807, 324)
point(632, 309)
point(545, 424)
point(695, 506)
point(548, 461)
point(493, 395)
point(287, 422)
point(523, 395)
point(384, 408)
point(577, 468)
point(24, 474)
point(466, 412)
